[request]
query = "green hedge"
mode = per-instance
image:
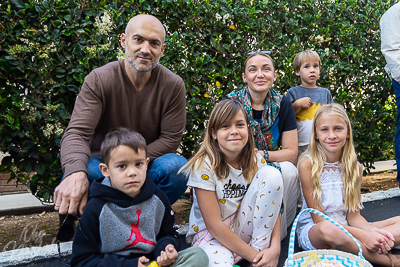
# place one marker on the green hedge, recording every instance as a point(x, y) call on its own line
point(48, 47)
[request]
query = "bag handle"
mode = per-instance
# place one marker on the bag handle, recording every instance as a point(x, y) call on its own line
point(290, 261)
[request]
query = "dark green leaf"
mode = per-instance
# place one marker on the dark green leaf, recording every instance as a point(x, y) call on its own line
point(19, 3)
point(40, 168)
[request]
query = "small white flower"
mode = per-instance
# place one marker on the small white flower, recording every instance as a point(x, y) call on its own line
point(59, 129)
point(91, 50)
point(25, 41)
point(225, 17)
point(375, 33)
point(218, 17)
point(43, 55)
point(319, 39)
point(327, 50)
point(104, 23)
point(120, 54)
point(48, 130)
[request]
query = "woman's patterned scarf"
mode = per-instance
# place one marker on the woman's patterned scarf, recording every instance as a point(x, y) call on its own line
point(269, 115)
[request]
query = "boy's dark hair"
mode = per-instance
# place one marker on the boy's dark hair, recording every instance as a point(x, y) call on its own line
point(305, 56)
point(121, 137)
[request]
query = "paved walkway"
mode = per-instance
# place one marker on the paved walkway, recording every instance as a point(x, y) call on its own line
point(382, 166)
point(18, 204)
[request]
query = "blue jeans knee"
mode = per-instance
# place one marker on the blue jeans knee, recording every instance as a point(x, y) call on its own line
point(164, 172)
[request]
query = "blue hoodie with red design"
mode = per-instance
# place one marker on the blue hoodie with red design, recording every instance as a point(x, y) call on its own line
point(116, 230)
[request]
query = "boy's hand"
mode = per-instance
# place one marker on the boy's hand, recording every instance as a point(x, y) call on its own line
point(304, 102)
point(168, 256)
point(142, 260)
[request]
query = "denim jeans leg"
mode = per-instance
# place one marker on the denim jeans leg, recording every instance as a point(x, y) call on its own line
point(396, 86)
point(93, 168)
point(163, 170)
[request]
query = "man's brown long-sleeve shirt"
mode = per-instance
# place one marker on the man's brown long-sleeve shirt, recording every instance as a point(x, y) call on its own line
point(109, 100)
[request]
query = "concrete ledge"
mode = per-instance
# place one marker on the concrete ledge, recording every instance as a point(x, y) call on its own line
point(27, 255)
point(25, 211)
point(379, 195)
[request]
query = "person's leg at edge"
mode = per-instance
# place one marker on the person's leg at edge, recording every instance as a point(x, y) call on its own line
point(163, 170)
point(396, 86)
point(92, 169)
point(291, 191)
point(191, 257)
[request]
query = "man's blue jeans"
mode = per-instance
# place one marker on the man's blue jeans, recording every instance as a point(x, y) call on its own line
point(396, 86)
point(163, 170)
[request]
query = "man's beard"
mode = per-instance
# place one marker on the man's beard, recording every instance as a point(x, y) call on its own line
point(132, 63)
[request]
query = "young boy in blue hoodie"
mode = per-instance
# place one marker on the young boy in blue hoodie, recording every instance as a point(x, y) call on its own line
point(128, 221)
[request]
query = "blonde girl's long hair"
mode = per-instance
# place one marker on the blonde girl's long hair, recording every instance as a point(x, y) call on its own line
point(348, 161)
point(223, 113)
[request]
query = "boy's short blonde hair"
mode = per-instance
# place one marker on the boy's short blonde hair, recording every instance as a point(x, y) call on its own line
point(305, 56)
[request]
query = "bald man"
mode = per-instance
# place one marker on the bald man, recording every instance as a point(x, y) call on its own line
point(137, 93)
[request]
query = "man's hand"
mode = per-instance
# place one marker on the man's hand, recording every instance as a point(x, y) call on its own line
point(167, 256)
point(71, 194)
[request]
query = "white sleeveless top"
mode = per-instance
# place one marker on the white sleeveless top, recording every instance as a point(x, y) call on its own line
point(332, 201)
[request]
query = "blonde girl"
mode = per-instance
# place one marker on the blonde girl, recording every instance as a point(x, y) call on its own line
point(330, 181)
point(237, 197)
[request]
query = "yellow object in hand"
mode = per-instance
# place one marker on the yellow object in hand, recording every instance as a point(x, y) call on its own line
point(154, 264)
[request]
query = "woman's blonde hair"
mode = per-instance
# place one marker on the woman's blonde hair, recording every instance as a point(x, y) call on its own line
point(348, 161)
point(223, 113)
